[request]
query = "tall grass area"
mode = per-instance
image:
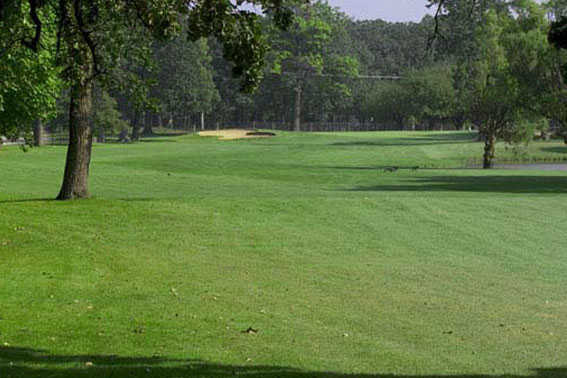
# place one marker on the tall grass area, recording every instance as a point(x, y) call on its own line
point(303, 255)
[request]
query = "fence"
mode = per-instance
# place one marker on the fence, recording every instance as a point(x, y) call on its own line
point(306, 126)
point(62, 137)
point(59, 138)
point(322, 126)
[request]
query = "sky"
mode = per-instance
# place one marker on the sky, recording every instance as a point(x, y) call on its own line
point(389, 10)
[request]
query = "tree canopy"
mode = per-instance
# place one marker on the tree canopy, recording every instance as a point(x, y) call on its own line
point(29, 83)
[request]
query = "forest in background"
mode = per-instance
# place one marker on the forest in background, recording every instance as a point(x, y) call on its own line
point(484, 65)
point(334, 62)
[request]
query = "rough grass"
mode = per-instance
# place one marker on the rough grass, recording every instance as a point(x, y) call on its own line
point(341, 265)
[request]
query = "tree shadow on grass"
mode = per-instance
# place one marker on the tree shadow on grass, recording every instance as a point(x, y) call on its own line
point(155, 140)
point(559, 150)
point(27, 200)
point(494, 184)
point(163, 135)
point(383, 168)
point(31, 363)
point(432, 139)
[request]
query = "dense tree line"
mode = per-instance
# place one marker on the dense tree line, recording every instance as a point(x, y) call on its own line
point(321, 69)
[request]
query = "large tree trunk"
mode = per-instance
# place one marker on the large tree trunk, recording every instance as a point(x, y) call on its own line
point(185, 122)
point(38, 133)
point(148, 127)
point(101, 137)
point(489, 145)
point(75, 180)
point(136, 127)
point(297, 122)
point(202, 121)
point(136, 132)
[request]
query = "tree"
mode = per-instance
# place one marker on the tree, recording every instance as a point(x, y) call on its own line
point(29, 83)
point(234, 104)
point(431, 95)
point(423, 97)
point(495, 104)
point(185, 84)
point(106, 117)
point(305, 52)
point(503, 78)
point(93, 37)
point(553, 74)
point(388, 102)
point(386, 48)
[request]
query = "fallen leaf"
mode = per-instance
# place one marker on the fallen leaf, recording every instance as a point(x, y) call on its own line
point(139, 330)
point(251, 331)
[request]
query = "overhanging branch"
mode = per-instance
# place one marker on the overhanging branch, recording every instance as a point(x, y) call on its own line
point(34, 42)
point(86, 35)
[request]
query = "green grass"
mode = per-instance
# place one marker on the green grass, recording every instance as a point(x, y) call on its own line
point(342, 267)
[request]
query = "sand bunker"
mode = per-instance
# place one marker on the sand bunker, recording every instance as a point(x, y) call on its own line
point(231, 134)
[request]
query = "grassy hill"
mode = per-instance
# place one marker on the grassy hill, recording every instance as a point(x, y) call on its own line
point(303, 255)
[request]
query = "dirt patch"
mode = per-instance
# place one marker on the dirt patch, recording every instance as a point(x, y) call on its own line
point(231, 134)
